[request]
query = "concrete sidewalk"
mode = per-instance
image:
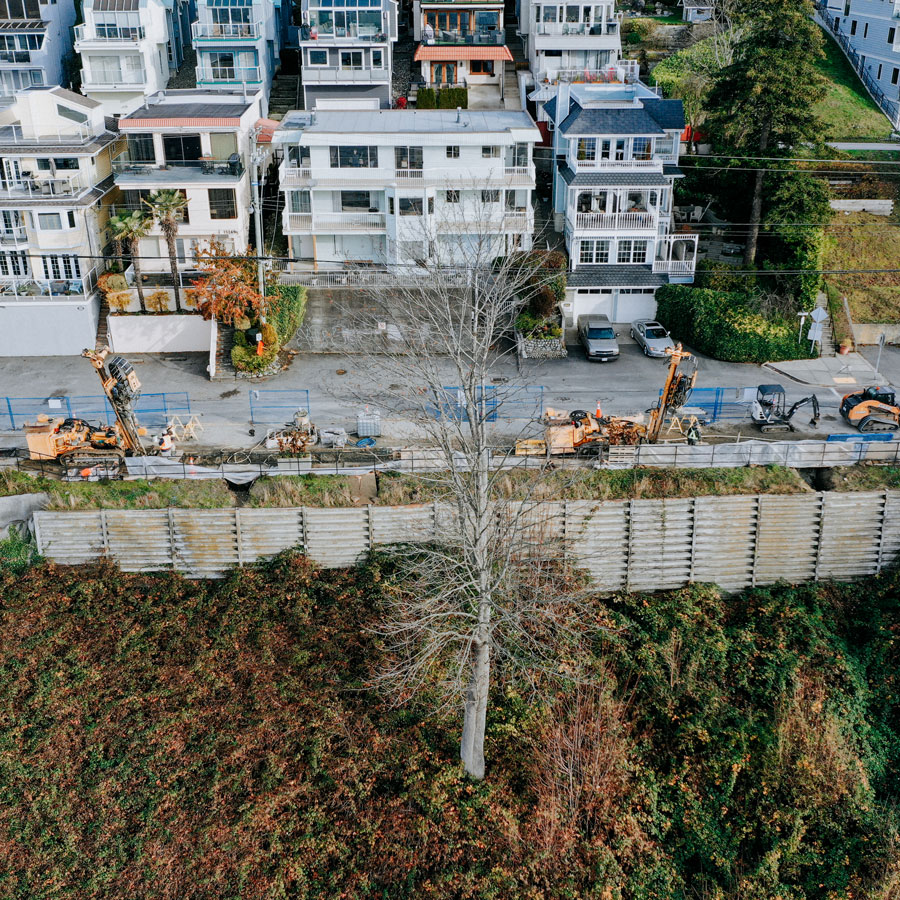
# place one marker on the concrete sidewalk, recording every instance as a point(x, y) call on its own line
point(847, 371)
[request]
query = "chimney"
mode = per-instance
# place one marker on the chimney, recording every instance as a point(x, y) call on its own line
point(562, 101)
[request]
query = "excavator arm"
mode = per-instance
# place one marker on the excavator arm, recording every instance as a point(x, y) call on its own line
point(811, 399)
point(122, 388)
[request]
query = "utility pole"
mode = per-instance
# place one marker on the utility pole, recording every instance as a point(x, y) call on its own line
point(256, 159)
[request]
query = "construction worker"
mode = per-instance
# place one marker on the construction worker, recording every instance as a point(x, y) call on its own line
point(166, 443)
point(693, 435)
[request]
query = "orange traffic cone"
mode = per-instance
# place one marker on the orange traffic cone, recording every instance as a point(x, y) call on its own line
point(259, 348)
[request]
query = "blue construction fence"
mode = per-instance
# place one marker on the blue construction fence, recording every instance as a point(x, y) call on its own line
point(277, 407)
point(496, 401)
point(721, 403)
point(152, 410)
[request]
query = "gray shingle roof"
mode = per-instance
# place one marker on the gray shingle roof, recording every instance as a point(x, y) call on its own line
point(668, 113)
point(632, 120)
point(615, 276)
point(613, 179)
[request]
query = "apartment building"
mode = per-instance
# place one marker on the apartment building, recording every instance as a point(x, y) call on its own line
point(616, 151)
point(869, 32)
point(569, 41)
point(346, 51)
point(200, 143)
point(238, 45)
point(36, 44)
point(399, 187)
point(129, 49)
point(462, 43)
point(55, 180)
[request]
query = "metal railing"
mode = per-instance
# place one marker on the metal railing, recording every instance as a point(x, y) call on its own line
point(276, 407)
point(302, 273)
point(211, 31)
point(75, 134)
point(101, 79)
point(313, 74)
point(474, 38)
point(624, 71)
point(42, 188)
point(229, 74)
point(17, 235)
point(107, 33)
point(26, 288)
point(576, 28)
point(232, 167)
point(314, 33)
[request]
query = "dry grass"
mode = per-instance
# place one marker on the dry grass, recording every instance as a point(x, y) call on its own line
point(876, 245)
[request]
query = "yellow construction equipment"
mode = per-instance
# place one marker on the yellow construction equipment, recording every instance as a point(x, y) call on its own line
point(78, 444)
point(581, 433)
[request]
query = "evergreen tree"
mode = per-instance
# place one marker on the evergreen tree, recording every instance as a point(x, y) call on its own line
point(763, 103)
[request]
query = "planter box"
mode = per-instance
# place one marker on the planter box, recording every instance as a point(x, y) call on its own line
point(541, 349)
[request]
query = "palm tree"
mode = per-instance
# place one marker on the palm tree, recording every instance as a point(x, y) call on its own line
point(131, 228)
point(116, 223)
point(167, 207)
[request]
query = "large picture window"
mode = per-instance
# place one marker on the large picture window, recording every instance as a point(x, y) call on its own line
point(408, 158)
point(61, 268)
point(354, 157)
point(222, 203)
point(632, 252)
point(593, 252)
point(410, 206)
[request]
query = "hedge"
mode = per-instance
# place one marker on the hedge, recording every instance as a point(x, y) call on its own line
point(725, 326)
point(244, 357)
point(442, 98)
point(286, 308)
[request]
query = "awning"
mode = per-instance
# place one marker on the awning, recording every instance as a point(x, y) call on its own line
point(454, 53)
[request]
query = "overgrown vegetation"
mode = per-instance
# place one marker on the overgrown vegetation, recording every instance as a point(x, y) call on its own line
point(728, 325)
point(187, 740)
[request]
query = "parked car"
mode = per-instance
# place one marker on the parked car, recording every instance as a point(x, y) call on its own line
point(598, 337)
point(651, 337)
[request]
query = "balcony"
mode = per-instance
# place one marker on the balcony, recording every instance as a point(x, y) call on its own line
point(625, 71)
point(121, 81)
point(28, 288)
point(632, 221)
point(677, 257)
point(228, 75)
point(16, 235)
point(644, 165)
point(204, 32)
point(417, 175)
point(302, 176)
point(344, 75)
point(343, 221)
point(294, 176)
point(470, 38)
point(514, 222)
point(15, 56)
point(108, 34)
point(575, 29)
point(42, 189)
point(343, 35)
point(74, 134)
point(129, 171)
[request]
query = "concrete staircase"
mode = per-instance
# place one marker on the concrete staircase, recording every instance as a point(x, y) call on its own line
point(511, 97)
point(286, 95)
point(224, 339)
point(103, 324)
point(827, 346)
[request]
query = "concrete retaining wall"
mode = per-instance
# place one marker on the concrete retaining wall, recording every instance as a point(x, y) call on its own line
point(876, 207)
point(869, 333)
point(159, 334)
point(43, 327)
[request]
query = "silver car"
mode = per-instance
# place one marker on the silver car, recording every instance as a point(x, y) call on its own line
point(651, 337)
point(598, 337)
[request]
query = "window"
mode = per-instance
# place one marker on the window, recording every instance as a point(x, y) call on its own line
point(451, 196)
point(391, 205)
point(605, 149)
point(866, 30)
point(222, 65)
point(431, 206)
point(665, 146)
point(43, 165)
point(490, 152)
point(408, 158)
point(594, 252)
point(140, 148)
point(318, 57)
point(19, 9)
point(453, 153)
point(481, 67)
point(49, 221)
point(13, 263)
point(632, 252)
point(355, 201)
point(71, 114)
point(351, 59)
point(46, 165)
point(222, 203)
point(620, 149)
point(490, 196)
point(410, 206)
point(880, 67)
point(515, 201)
point(354, 157)
point(377, 59)
point(891, 33)
point(640, 148)
point(61, 268)
point(180, 147)
point(853, 27)
point(895, 75)
point(299, 201)
point(587, 149)
point(846, 7)
point(70, 216)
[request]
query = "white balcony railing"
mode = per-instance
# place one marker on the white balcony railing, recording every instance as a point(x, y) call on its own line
point(74, 134)
point(633, 221)
point(409, 174)
point(304, 176)
point(108, 34)
point(294, 176)
point(678, 254)
point(234, 31)
point(111, 81)
point(343, 74)
point(42, 189)
point(581, 165)
point(228, 75)
point(343, 221)
point(675, 266)
point(576, 28)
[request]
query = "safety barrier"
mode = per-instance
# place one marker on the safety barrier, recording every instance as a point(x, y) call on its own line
point(276, 407)
point(720, 403)
point(151, 409)
point(495, 401)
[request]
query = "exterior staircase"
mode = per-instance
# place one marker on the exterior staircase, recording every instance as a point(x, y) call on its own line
point(286, 95)
point(224, 369)
point(827, 345)
point(103, 324)
point(511, 97)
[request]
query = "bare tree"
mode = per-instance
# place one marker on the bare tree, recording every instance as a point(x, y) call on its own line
point(490, 587)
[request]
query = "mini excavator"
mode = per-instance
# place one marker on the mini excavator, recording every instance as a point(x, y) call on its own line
point(580, 433)
point(77, 444)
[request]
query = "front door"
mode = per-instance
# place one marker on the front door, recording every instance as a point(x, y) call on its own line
point(12, 176)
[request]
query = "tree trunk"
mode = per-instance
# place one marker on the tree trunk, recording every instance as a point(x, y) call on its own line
point(471, 750)
point(756, 207)
point(173, 262)
point(136, 262)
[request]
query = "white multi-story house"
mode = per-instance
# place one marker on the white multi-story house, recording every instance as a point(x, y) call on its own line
point(55, 181)
point(238, 45)
point(869, 32)
point(198, 142)
point(462, 42)
point(570, 41)
point(616, 150)
point(346, 51)
point(129, 48)
point(396, 187)
point(35, 43)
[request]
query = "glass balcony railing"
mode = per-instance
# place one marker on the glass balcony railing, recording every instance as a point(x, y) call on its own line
point(228, 75)
point(232, 31)
point(180, 169)
point(576, 28)
point(112, 80)
point(111, 33)
point(445, 36)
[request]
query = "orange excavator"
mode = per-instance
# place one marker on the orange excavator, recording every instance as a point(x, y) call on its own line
point(872, 409)
point(580, 433)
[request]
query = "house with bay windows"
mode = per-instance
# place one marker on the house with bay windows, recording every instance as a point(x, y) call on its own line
point(238, 45)
point(55, 183)
point(197, 142)
point(462, 42)
point(385, 188)
point(129, 49)
point(615, 164)
point(346, 50)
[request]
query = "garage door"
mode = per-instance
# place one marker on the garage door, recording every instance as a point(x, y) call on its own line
point(591, 302)
point(629, 307)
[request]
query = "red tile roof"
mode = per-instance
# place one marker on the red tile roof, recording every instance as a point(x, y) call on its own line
point(452, 53)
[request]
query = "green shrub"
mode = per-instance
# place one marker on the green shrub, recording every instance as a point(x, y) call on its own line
point(451, 98)
point(536, 327)
point(725, 326)
point(245, 359)
point(426, 98)
point(287, 306)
